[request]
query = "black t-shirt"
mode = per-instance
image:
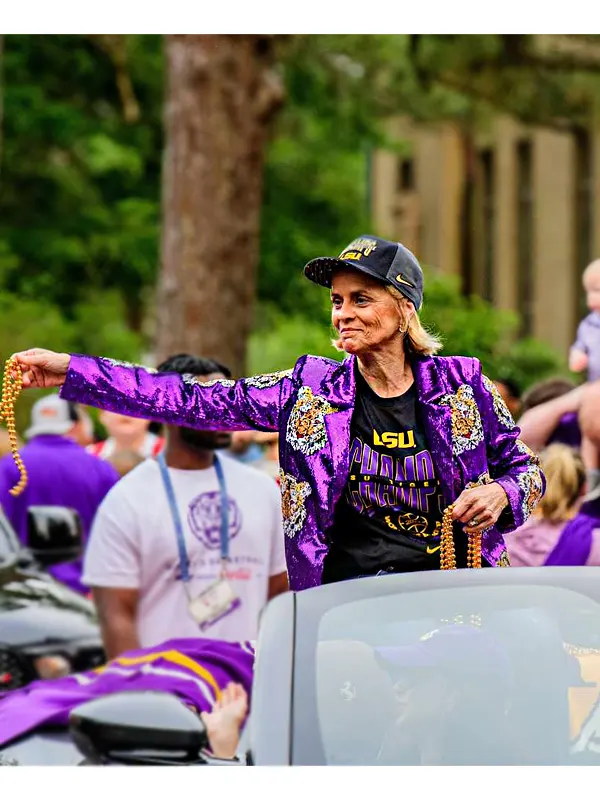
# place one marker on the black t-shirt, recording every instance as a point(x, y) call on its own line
point(389, 517)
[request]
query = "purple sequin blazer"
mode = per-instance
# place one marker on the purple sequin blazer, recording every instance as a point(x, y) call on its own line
point(472, 437)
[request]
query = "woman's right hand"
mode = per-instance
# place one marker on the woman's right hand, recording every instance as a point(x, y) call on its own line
point(42, 369)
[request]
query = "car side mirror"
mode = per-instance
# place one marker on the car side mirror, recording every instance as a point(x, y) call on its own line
point(143, 727)
point(54, 534)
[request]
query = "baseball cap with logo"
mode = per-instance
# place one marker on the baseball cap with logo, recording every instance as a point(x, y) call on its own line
point(389, 262)
point(51, 415)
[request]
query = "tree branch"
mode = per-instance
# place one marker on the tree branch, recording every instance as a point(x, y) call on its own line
point(562, 64)
point(560, 124)
point(115, 47)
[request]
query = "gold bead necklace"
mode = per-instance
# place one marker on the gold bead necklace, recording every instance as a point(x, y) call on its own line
point(12, 384)
point(447, 551)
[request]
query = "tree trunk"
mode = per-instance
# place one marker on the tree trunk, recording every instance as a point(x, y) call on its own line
point(220, 99)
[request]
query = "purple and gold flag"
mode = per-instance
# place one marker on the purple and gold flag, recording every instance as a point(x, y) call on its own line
point(194, 670)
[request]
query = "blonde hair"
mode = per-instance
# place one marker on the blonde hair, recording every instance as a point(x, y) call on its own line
point(591, 269)
point(417, 339)
point(565, 479)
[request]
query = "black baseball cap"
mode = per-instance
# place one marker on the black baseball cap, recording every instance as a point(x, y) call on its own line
point(389, 262)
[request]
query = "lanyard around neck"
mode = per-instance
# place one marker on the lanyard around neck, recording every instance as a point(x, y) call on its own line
point(184, 560)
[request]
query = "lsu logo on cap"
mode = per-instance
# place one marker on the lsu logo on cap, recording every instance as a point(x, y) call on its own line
point(358, 248)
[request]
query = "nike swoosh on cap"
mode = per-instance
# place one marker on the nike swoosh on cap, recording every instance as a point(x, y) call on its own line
point(400, 279)
point(431, 550)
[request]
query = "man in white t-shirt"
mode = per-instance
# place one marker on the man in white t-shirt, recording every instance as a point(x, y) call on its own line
point(133, 562)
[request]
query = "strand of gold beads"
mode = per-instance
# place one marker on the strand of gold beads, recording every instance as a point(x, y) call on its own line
point(12, 383)
point(447, 550)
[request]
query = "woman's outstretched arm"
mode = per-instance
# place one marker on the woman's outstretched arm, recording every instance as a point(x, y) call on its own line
point(169, 398)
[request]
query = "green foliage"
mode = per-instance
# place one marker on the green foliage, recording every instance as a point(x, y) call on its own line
point(79, 199)
point(282, 338)
point(97, 328)
point(80, 183)
point(473, 327)
point(542, 80)
point(315, 198)
point(528, 361)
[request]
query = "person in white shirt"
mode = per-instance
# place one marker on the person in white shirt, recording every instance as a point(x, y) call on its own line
point(148, 583)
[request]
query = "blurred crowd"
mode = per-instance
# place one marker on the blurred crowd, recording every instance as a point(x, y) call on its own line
point(158, 547)
point(153, 538)
point(555, 418)
point(559, 420)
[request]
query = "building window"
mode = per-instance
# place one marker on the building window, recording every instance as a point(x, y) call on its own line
point(486, 162)
point(584, 171)
point(525, 236)
point(406, 175)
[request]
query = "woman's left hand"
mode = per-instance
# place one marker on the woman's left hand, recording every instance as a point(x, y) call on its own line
point(479, 508)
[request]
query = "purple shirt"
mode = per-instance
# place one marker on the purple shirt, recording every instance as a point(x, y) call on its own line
point(60, 473)
point(579, 542)
point(472, 437)
point(530, 544)
point(588, 340)
point(567, 431)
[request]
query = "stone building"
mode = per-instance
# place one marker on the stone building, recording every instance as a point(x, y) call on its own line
point(532, 199)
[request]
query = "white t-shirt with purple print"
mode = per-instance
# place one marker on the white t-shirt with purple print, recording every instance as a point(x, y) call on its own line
point(133, 544)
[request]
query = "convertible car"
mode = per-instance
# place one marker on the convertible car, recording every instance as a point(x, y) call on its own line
point(482, 667)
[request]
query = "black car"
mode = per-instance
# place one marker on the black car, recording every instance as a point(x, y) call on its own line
point(462, 667)
point(46, 629)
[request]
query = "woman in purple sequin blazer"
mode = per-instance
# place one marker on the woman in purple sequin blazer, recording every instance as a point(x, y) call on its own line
point(373, 448)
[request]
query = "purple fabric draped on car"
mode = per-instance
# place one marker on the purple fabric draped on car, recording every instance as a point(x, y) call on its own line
point(575, 543)
point(471, 435)
point(194, 670)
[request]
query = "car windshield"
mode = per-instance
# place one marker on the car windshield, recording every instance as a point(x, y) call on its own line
point(493, 675)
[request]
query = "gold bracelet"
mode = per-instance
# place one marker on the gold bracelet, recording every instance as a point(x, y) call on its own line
point(12, 384)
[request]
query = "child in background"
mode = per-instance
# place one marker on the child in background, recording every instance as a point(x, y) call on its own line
point(585, 353)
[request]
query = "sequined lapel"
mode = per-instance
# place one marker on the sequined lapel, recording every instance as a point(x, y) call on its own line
point(338, 385)
point(338, 433)
point(437, 421)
